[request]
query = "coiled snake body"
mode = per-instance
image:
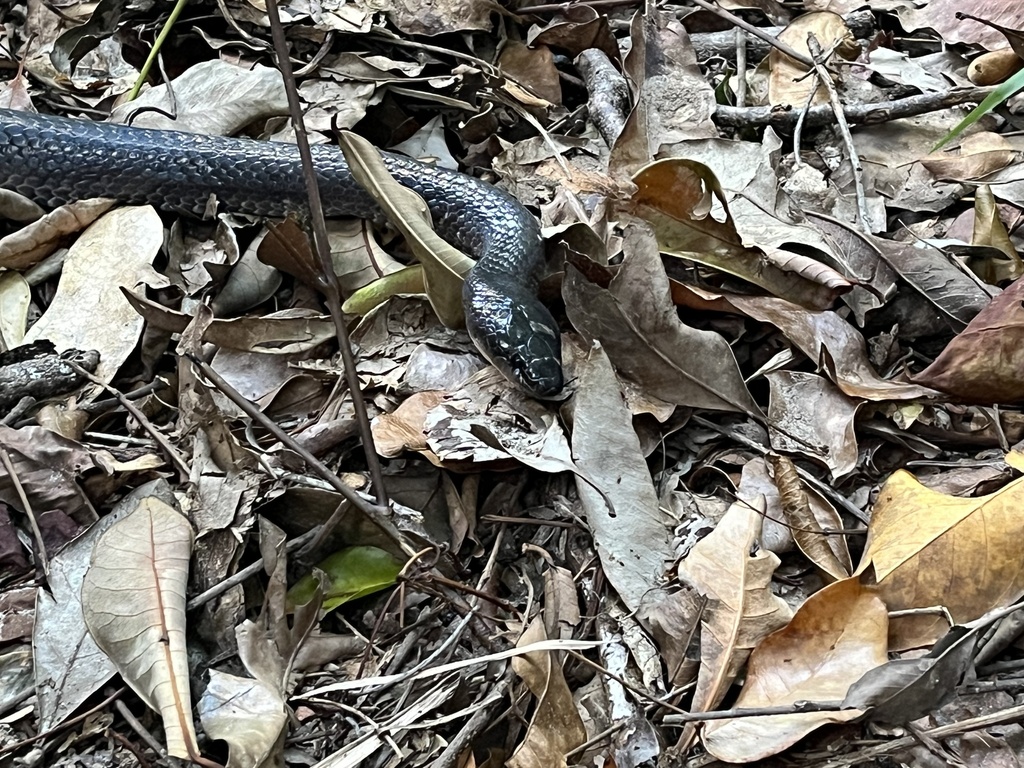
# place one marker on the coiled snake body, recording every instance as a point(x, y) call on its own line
point(56, 160)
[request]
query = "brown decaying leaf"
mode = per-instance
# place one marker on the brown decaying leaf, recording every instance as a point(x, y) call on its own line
point(403, 429)
point(632, 535)
point(809, 408)
point(977, 156)
point(832, 343)
point(556, 727)
point(807, 532)
point(133, 598)
point(685, 204)
point(836, 636)
point(741, 608)
point(929, 549)
point(983, 363)
point(637, 323)
point(990, 231)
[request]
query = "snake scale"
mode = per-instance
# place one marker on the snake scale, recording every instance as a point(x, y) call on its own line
point(54, 160)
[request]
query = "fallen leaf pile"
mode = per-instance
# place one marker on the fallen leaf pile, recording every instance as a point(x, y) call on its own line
point(253, 516)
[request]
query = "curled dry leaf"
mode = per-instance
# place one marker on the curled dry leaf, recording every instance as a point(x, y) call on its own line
point(741, 609)
point(983, 363)
point(443, 265)
point(29, 245)
point(828, 553)
point(685, 204)
point(556, 727)
point(832, 343)
point(834, 638)
point(133, 598)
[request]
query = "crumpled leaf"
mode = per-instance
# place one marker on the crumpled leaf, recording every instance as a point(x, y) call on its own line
point(741, 609)
point(556, 727)
point(832, 343)
point(834, 638)
point(983, 363)
point(689, 212)
point(133, 598)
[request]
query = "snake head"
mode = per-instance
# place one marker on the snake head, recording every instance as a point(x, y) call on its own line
point(517, 334)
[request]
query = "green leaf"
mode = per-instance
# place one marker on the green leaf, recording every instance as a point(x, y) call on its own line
point(352, 573)
point(369, 297)
point(443, 266)
point(1002, 92)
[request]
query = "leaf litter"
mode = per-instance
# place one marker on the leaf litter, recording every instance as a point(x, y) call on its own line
point(775, 511)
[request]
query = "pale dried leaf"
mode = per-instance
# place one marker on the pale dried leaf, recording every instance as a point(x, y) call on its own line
point(133, 599)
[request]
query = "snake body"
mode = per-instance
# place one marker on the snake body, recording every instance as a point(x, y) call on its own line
point(58, 160)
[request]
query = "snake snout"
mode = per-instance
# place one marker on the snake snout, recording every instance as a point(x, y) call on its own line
point(517, 333)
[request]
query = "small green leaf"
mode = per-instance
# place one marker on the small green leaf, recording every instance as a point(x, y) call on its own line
point(369, 297)
point(351, 573)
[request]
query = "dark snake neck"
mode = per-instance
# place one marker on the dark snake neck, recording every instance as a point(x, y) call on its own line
point(56, 160)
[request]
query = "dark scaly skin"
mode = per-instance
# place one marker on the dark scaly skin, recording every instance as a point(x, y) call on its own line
point(56, 160)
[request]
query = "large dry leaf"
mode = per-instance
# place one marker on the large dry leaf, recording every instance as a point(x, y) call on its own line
point(213, 98)
point(741, 608)
point(834, 639)
point(639, 327)
point(68, 665)
point(929, 549)
point(983, 363)
point(632, 536)
point(789, 83)
point(133, 598)
point(89, 311)
point(556, 727)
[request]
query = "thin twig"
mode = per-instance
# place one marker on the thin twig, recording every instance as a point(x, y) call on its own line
point(843, 127)
point(856, 114)
point(321, 243)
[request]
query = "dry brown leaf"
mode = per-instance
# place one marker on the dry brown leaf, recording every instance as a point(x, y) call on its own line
point(978, 155)
point(133, 599)
point(983, 363)
point(929, 549)
point(990, 232)
point(688, 209)
point(89, 311)
point(632, 535)
point(741, 608)
point(836, 636)
point(807, 411)
point(556, 727)
point(29, 245)
point(832, 343)
point(826, 552)
point(639, 327)
point(403, 429)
